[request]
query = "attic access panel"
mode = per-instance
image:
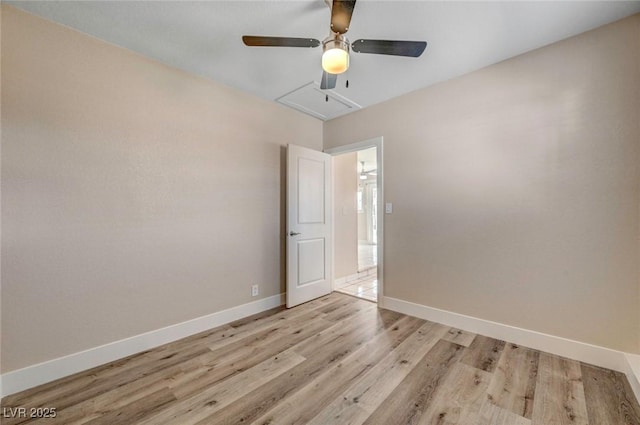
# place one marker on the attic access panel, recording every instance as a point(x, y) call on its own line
point(311, 100)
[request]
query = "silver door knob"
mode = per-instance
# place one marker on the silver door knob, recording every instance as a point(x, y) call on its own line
point(292, 233)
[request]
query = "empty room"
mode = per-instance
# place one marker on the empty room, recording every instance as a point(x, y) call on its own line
point(320, 212)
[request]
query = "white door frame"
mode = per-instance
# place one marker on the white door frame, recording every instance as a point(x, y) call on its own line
point(377, 143)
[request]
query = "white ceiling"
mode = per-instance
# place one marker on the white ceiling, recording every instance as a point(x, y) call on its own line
point(204, 37)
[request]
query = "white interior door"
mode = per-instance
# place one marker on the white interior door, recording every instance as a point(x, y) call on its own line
point(308, 225)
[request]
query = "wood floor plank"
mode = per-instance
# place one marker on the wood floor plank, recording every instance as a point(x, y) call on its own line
point(223, 364)
point(460, 337)
point(339, 303)
point(322, 351)
point(252, 328)
point(363, 397)
point(69, 397)
point(116, 399)
point(608, 397)
point(282, 313)
point(259, 317)
point(323, 389)
point(128, 413)
point(366, 324)
point(346, 311)
point(206, 402)
point(514, 380)
point(137, 410)
point(411, 398)
point(259, 323)
point(483, 353)
point(562, 402)
point(490, 414)
point(459, 399)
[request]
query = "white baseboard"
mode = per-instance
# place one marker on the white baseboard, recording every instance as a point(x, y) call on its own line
point(355, 276)
point(587, 353)
point(633, 373)
point(31, 376)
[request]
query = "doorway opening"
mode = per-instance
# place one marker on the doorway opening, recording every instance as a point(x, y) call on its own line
point(357, 190)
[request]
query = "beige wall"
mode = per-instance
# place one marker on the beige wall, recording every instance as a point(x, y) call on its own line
point(136, 196)
point(516, 189)
point(345, 175)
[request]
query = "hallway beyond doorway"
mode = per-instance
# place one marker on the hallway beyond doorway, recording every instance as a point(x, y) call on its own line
point(367, 256)
point(358, 194)
point(364, 286)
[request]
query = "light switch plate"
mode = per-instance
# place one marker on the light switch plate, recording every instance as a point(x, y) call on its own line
point(388, 208)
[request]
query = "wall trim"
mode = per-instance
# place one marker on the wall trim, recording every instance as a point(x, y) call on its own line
point(626, 363)
point(633, 372)
point(355, 276)
point(41, 373)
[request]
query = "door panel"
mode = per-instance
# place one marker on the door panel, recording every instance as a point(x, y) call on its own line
point(310, 191)
point(311, 261)
point(308, 225)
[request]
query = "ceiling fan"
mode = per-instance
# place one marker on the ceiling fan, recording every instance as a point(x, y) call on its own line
point(335, 56)
point(365, 174)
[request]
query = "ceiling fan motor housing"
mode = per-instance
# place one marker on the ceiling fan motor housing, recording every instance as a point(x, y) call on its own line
point(335, 41)
point(335, 56)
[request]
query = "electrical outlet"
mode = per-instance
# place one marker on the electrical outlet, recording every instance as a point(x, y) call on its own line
point(254, 291)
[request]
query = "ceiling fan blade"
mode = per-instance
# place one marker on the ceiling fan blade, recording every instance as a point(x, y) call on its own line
point(390, 47)
point(260, 41)
point(328, 81)
point(341, 12)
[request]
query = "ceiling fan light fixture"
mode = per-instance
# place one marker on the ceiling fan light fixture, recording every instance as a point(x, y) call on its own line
point(335, 58)
point(363, 175)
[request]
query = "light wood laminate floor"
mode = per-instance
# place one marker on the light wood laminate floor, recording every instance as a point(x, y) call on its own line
point(337, 360)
